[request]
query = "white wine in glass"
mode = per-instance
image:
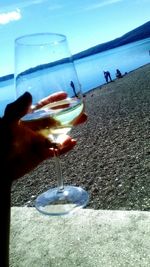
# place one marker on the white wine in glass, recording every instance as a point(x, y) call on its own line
point(44, 67)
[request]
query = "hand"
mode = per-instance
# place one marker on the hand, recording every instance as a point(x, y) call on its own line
point(22, 149)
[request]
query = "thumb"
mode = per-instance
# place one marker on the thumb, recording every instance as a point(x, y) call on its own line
point(17, 109)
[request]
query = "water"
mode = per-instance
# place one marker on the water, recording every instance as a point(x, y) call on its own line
point(90, 69)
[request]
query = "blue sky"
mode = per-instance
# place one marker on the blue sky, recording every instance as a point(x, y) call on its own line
point(85, 22)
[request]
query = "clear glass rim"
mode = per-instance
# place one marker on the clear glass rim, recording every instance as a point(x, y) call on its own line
point(57, 38)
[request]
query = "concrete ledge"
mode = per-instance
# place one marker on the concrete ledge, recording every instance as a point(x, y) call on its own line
point(89, 238)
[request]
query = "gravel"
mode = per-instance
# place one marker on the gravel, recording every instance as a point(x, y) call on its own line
point(112, 157)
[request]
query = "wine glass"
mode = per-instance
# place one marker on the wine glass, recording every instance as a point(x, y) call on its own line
point(44, 67)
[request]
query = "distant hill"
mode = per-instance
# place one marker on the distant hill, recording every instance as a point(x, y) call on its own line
point(137, 34)
point(6, 77)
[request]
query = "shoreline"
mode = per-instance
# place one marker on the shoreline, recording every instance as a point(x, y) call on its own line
point(112, 157)
point(104, 84)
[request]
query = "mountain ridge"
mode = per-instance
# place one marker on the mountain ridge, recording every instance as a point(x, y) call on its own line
point(139, 33)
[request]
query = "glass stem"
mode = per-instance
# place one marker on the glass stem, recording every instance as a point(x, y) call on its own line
point(59, 174)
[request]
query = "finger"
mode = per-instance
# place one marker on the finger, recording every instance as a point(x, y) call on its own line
point(17, 109)
point(65, 144)
point(69, 146)
point(80, 119)
point(52, 98)
point(60, 106)
point(63, 140)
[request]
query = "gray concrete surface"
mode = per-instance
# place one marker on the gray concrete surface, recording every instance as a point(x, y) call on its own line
point(88, 238)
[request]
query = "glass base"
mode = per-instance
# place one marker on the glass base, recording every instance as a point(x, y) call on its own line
point(56, 202)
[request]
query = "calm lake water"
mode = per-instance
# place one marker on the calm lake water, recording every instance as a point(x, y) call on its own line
point(90, 69)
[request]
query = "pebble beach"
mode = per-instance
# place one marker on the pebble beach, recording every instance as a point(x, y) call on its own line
point(112, 157)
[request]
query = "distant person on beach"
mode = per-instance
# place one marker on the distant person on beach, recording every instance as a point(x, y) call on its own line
point(22, 149)
point(118, 74)
point(73, 87)
point(107, 76)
